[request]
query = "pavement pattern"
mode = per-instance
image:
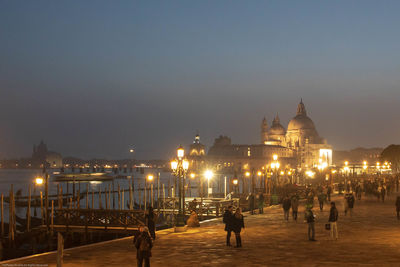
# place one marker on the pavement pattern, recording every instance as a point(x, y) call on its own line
point(371, 237)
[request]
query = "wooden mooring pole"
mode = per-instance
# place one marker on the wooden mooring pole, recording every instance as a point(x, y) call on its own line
point(60, 249)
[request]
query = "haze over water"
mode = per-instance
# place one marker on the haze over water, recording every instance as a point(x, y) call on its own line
point(93, 78)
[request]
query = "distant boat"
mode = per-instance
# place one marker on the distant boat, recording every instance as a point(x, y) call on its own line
point(83, 177)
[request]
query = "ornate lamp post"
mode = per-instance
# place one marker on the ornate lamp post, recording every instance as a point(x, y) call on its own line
point(179, 168)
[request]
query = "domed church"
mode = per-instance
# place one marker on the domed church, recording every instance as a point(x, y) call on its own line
point(298, 146)
point(301, 136)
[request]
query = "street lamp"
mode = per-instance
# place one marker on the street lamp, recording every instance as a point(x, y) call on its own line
point(179, 168)
point(39, 180)
point(208, 174)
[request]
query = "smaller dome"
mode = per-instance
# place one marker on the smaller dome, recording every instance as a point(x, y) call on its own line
point(277, 128)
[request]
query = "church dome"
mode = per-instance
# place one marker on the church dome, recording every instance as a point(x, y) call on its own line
point(277, 128)
point(301, 121)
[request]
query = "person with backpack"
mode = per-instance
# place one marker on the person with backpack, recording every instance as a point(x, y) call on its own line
point(237, 225)
point(228, 221)
point(143, 244)
point(309, 217)
point(333, 217)
point(286, 203)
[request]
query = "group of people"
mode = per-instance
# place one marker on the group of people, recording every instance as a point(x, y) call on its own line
point(234, 222)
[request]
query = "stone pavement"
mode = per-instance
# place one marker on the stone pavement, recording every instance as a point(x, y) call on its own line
point(371, 237)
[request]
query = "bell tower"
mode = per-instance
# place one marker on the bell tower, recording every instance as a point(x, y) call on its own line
point(264, 131)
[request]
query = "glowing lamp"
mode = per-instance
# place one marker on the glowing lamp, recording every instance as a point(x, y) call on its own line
point(174, 165)
point(180, 152)
point(150, 177)
point(208, 174)
point(39, 180)
point(185, 165)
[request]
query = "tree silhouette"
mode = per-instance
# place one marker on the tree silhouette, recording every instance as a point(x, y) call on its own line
point(392, 155)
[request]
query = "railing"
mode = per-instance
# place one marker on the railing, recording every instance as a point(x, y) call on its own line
point(102, 218)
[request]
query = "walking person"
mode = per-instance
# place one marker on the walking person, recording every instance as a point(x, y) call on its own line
point(286, 203)
point(398, 207)
point(321, 200)
point(295, 206)
point(261, 203)
point(333, 217)
point(350, 203)
point(143, 246)
point(150, 222)
point(383, 193)
point(228, 221)
point(310, 218)
point(329, 192)
point(238, 224)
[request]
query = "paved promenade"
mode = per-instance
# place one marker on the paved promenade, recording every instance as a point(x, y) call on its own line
point(371, 237)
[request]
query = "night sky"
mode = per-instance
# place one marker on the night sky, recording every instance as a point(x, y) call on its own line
point(93, 78)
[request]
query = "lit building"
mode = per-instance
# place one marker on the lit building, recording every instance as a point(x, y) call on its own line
point(300, 146)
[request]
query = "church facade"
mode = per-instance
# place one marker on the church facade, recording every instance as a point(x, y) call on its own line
point(297, 147)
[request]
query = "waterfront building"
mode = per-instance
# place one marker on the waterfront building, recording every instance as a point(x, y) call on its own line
point(41, 155)
point(299, 147)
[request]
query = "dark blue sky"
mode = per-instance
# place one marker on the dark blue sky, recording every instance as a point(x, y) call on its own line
point(92, 78)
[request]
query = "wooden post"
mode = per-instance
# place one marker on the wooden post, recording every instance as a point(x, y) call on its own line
point(41, 206)
point(60, 249)
point(119, 197)
point(11, 216)
point(61, 199)
point(28, 210)
point(130, 198)
point(122, 199)
point(2, 215)
point(113, 194)
point(163, 190)
point(73, 191)
point(52, 217)
point(87, 196)
point(133, 193)
point(140, 197)
point(100, 204)
point(152, 195)
point(106, 198)
point(92, 199)
point(109, 196)
point(144, 197)
point(78, 199)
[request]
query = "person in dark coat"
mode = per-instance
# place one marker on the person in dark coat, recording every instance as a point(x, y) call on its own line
point(150, 222)
point(333, 217)
point(350, 203)
point(286, 203)
point(143, 244)
point(238, 224)
point(329, 192)
point(309, 217)
point(321, 200)
point(228, 221)
point(295, 206)
point(261, 203)
point(398, 207)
